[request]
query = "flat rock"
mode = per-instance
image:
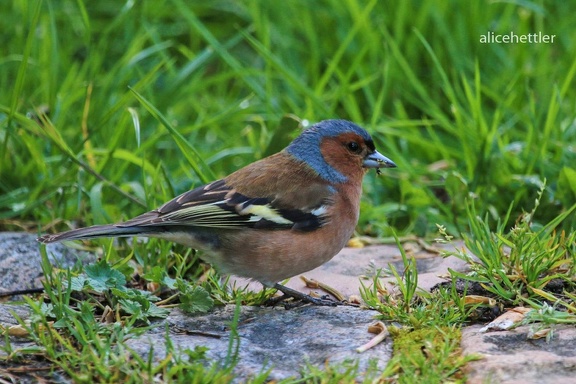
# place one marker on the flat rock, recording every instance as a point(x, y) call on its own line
point(280, 340)
point(275, 339)
point(21, 262)
point(510, 357)
point(9, 315)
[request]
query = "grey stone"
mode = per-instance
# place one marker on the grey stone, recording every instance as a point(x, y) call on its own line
point(9, 315)
point(281, 340)
point(20, 260)
point(510, 357)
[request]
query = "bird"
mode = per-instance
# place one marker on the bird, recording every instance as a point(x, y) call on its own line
point(273, 219)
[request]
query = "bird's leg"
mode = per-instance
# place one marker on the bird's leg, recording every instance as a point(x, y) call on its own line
point(289, 292)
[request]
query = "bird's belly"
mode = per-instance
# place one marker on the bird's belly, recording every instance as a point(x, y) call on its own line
point(278, 255)
point(268, 257)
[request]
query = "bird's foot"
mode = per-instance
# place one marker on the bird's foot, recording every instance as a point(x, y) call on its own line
point(302, 297)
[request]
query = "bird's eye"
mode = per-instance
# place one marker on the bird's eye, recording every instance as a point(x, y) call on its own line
point(353, 146)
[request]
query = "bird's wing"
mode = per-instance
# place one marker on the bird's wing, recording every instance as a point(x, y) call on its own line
point(218, 205)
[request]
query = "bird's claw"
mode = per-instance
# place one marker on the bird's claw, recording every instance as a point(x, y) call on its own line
point(299, 296)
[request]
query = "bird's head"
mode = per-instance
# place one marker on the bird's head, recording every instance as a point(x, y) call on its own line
point(338, 150)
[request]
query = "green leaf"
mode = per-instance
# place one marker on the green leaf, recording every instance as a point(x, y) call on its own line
point(77, 283)
point(47, 309)
point(134, 294)
point(101, 277)
point(193, 298)
point(139, 304)
point(159, 275)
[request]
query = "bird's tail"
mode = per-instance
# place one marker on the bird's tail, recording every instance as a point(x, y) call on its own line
point(96, 231)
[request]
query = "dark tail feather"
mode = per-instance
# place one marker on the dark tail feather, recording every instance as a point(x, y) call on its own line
point(94, 232)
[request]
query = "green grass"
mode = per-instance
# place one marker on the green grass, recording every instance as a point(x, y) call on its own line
point(110, 108)
point(516, 265)
point(124, 84)
point(513, 268)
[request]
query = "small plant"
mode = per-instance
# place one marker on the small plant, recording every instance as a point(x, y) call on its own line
point(430, 355)
point(426, 326)
point(82, 323)
point(521, 263)
point(410, 306)
point(343, 372)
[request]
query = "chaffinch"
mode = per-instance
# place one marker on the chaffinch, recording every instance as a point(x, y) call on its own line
point(273, 219)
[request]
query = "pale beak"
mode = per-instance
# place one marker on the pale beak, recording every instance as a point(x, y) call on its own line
point(377, 160)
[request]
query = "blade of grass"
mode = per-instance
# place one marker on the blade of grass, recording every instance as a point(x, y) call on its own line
point(196, 161)
point(219, 48)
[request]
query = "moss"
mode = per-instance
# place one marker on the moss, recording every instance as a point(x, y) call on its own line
point(430, 354)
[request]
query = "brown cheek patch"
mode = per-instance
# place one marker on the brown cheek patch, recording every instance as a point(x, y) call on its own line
point(339, 157)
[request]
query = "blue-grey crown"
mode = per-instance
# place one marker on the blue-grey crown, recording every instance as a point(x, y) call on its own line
point(306, 146)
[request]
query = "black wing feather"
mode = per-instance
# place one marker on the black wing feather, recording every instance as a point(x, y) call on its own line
point(216, 205)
